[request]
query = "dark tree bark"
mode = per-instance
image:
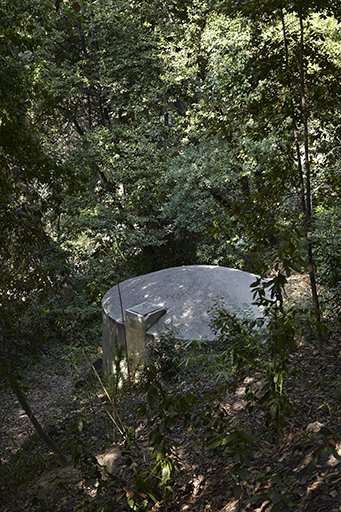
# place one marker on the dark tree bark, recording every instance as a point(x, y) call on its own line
point(293, 119)
point(305, 184)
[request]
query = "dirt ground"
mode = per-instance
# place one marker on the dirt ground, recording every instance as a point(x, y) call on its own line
point(204, 481)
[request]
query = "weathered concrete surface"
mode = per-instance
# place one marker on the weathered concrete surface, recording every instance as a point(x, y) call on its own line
point(186, 292)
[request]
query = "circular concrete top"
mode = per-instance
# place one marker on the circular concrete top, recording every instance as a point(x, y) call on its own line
point(187, 293)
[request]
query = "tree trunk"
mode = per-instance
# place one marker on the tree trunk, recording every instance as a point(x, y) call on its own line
point(305, 190)
point(293, 118)
point(308, 189)
point(20, 396)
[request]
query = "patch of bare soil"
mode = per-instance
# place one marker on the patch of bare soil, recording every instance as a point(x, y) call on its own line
point(300, 472)
point(298, 288)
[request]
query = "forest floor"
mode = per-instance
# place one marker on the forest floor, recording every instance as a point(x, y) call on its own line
point(299, 470)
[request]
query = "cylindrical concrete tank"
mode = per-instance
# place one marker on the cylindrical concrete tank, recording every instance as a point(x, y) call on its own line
point(179, 297)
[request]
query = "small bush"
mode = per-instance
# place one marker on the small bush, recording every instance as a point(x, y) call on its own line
point(164, 353)
point(327, 246)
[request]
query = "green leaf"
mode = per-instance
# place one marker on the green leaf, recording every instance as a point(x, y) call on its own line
point(215, 443)
point(131, 503)
point(274, 495)
point(236, 457)
point(165, 474)
point(237, 491)
point(242, 473)
point(152, 497)
point(56, 497)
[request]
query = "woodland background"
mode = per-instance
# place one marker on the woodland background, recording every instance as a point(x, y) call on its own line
point(136, 136)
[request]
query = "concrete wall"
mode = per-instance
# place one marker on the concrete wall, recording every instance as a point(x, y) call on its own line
point(138, 320)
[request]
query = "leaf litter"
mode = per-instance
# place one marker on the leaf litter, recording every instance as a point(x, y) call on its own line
point(304, 467)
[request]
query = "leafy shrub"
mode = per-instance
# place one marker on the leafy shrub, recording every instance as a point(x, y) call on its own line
point(164, 353)
point(259, 349)
point(327, 245)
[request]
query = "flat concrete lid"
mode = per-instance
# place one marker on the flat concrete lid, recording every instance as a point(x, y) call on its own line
point(187, 293)
point(145, 309)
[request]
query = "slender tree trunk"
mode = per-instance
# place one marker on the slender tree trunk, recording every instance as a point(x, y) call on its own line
point(305, 189)
point(20, 396)
point(293, 117)
point(308, 189)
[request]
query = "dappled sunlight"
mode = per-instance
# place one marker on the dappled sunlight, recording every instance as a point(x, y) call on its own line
point(187, 293)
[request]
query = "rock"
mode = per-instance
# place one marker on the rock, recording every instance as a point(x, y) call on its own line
point(314, 427)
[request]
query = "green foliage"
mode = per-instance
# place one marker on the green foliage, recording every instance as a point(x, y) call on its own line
point(162, 411)
point(275, 491)
point(164, 354)
point(239, 343)
point(261, 347)
point(327, 243)
point(167, 127)
point(188, 162)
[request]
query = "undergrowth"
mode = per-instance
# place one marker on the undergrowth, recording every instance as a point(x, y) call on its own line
point(250, 353)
